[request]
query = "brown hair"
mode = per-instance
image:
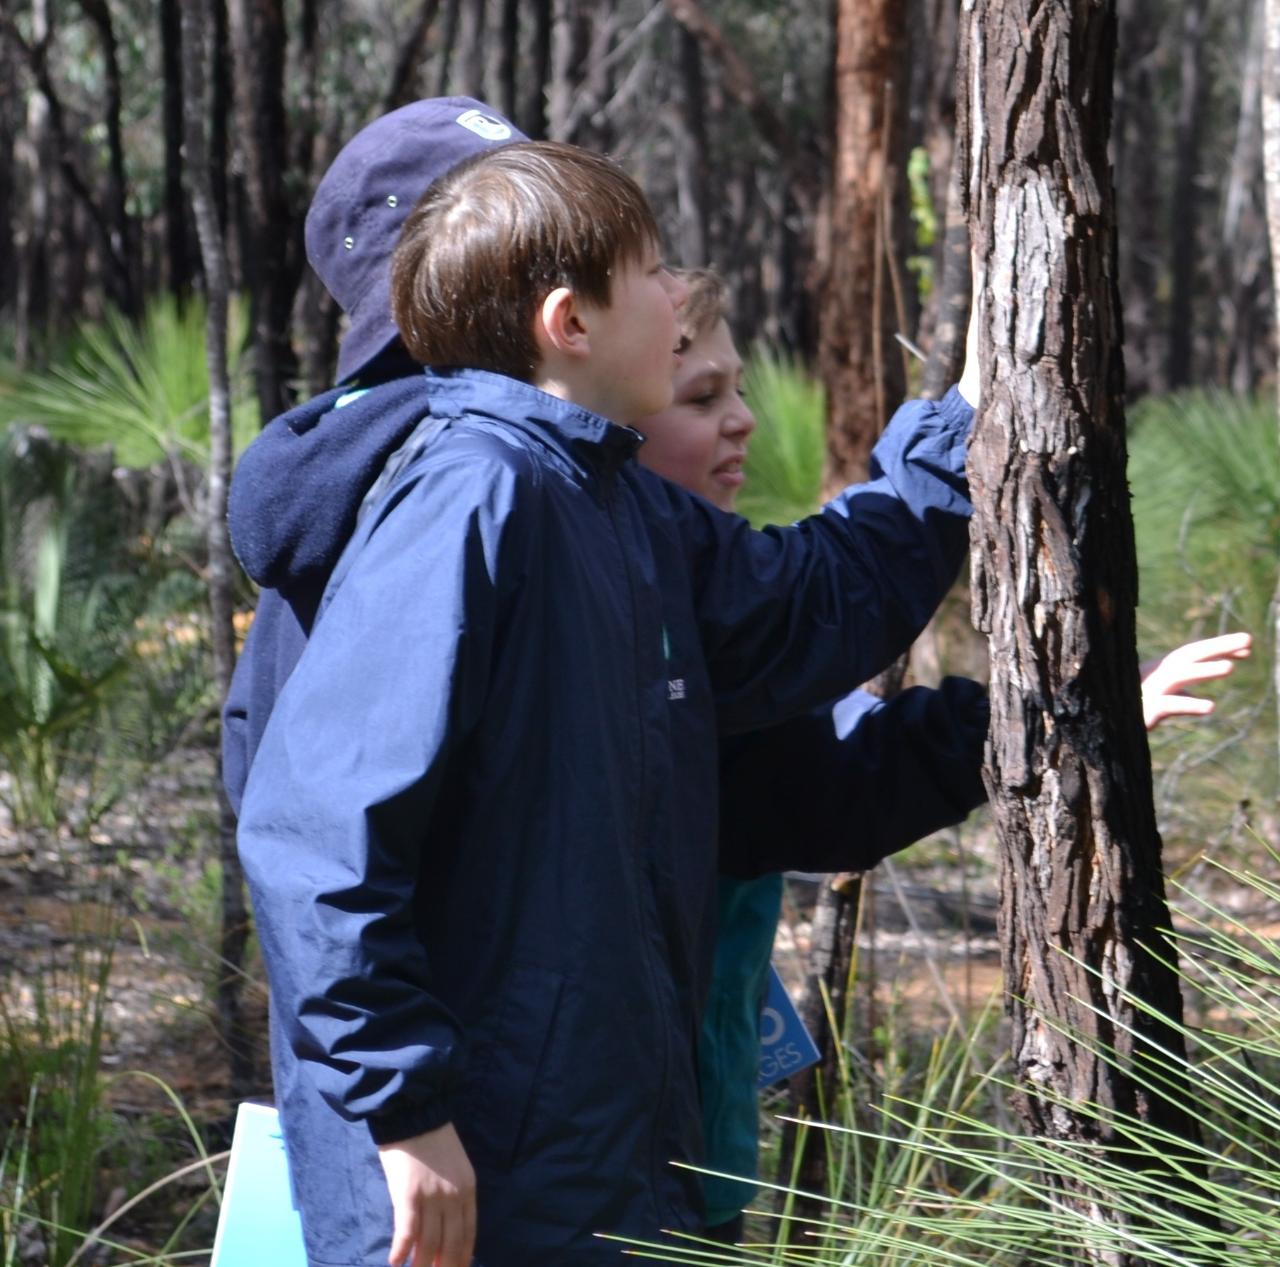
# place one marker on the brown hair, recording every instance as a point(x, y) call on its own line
point(491, 239)
point(707, 304)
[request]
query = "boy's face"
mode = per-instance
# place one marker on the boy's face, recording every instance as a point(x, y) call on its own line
point(700, 439)
point(634, 339)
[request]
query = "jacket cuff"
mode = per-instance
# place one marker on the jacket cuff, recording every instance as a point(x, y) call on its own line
point(953, 408)
point(404, 1123)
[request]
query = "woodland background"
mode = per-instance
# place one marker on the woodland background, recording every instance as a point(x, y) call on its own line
point(806, 150)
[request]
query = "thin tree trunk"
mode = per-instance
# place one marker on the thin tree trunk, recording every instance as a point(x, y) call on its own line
point(1139, 185)
point(221, 107)
point(258, 41)
point(952, 294)
point(504, 46)
point(10, 126)
point(403, 87)
point(448, 45)
point(120, 230)
point(858, 356)
point(1271, 173)
point(532, 116)
point(177, 270)
point(568, 51)
point(235, 919)
point(1054, 588)
point(1184, 213)
point(692, 153)
point(469, 75)
point(30, 240)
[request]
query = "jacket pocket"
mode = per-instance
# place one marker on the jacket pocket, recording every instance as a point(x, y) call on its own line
point(508, 1057)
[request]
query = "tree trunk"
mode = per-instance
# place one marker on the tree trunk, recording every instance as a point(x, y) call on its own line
point(469, 74)
point(448, 44)
point(258, 41)
point(403, 87)
point(692, 153)
point(859, 359)
point(1271, 171)
point(1055, 586)
point(952, 293)
point(1242, 241)
point(532, 115)
point(1184, 217)
point(235, 918)
point(10, 126)
point(504, 43)
point(1138, 188)
point(177, 270)
point(569, 37)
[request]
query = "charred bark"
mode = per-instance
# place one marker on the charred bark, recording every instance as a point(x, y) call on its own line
point(1184, 210)
point(177, 270)
point(690, 136)
point(270, 252)
point(221, 567)
point(1055, 587)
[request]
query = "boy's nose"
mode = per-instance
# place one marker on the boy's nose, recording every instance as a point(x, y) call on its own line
point(677, 289)
point(739, 421)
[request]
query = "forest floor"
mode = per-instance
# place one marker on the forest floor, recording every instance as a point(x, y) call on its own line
point(928, 944)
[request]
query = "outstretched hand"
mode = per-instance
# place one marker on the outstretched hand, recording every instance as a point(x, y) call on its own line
point(433, 1197)
point(1163, 679)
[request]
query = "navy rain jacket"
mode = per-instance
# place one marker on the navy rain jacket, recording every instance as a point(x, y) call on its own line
point(480, 827)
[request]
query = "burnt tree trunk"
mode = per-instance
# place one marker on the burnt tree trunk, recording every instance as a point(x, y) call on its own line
point(1184, 210)
point(177, 270)
point(532, 113)
point(1054, 589)
point(861, 363)
point(258, 40)
point(689, 132)
point(403, 87)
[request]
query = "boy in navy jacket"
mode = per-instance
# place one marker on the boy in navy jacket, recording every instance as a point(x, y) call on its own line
point(480, 828)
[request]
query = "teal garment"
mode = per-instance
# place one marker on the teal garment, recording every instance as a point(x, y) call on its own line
point(729, 1051)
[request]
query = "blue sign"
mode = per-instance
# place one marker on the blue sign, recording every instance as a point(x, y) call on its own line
point(785, 1045)
point(257, 1223)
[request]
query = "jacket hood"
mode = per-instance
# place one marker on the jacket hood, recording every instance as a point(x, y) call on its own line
point(298, 487)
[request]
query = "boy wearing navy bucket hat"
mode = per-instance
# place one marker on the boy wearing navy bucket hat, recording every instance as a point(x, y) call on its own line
point(569, 1074)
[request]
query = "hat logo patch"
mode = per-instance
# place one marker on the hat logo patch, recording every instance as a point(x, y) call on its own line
point(484, 125)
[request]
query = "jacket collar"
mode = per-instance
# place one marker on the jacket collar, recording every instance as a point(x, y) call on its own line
point(576, 433)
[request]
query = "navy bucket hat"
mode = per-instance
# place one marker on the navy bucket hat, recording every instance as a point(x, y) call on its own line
point(365, 197)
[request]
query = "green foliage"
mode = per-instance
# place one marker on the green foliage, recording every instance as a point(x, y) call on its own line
point(51, 1091)
point(142, 390)
point(925, 218)
point(784, 465)
point(1205, 472)
point(99, 671)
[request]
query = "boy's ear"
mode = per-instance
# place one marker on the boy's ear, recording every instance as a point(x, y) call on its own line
point(559, 327)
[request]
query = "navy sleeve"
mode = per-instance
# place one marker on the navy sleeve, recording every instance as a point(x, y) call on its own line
point(790, 617)
point(341, 813)
point(838, 790)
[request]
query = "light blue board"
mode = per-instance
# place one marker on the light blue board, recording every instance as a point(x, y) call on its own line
point(785, 1045)
point(257, 1223)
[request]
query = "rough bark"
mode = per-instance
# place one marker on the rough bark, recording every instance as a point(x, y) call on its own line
point(860, 362)
point(1055, 586)
point(235, 918)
